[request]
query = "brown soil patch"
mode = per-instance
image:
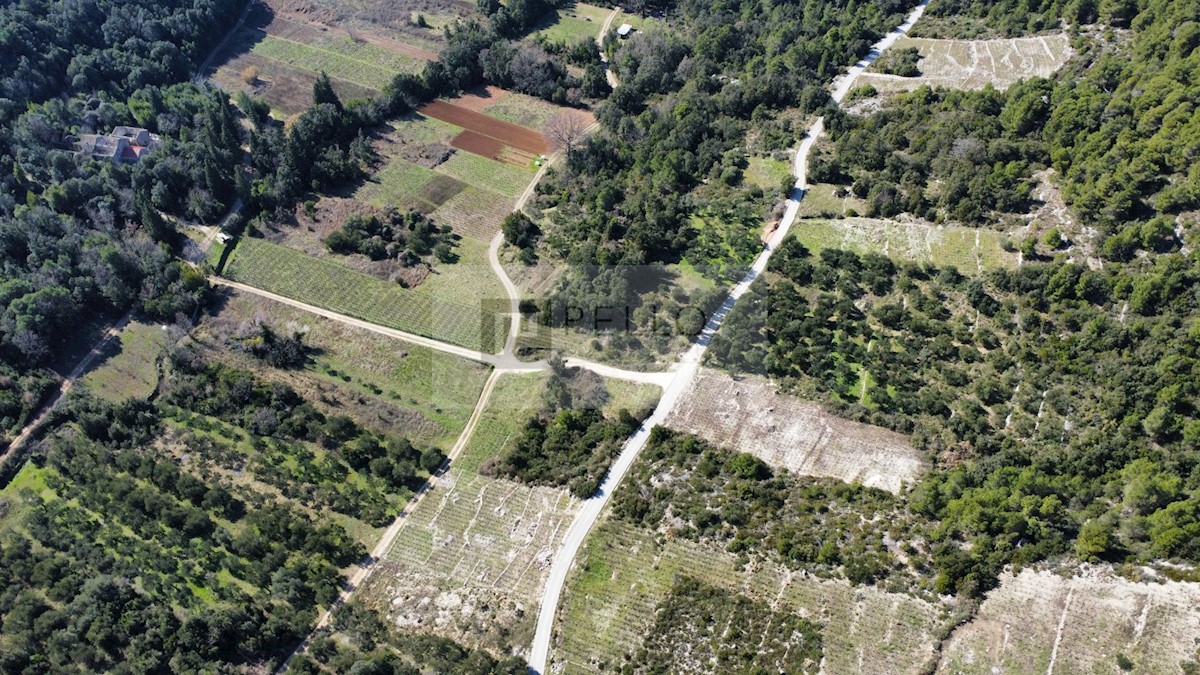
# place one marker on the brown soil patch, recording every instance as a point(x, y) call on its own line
point(518, 137)
point(479, 144)
point(480, 98)
point(747, 415)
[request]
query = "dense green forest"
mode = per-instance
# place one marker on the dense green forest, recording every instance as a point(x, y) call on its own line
point(674, 134)
point(944, 155)
point(1059, 400)
point(1015, 18)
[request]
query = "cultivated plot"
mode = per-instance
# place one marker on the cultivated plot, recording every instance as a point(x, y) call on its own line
point(472, 559)
point(624, 572)
point(1040, 622)
point(747, 415)
point(454, 303)
point(388, 384)
point(971, 250)
point(970, 64)
point(277, 57)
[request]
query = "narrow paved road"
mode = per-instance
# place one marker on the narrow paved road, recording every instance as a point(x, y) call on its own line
point(690, 363)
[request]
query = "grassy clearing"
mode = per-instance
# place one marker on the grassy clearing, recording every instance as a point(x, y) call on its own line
point(420, 128)
point(426, 395)
point(13, 506)
point(768, 173)
point(581, 22)
point(538, 341)
point(971, 250)
point(624, 572)
point(129, 366)
point(449, 305)
point(820, 201)
point(529, 112)
point(487, 174)
point(633, 396)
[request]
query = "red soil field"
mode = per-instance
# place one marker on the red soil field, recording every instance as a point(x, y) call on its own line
point(507, 133)
point(479, 144)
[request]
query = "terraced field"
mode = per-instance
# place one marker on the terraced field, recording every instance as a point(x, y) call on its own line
point(474, 213)
point(1038, 621)
point(624, 572)
point(971, 250)
point(449, 305)
point(343, 58)
point(470, 561)
point(971, 64)
point(278, 58)
point(748, 415)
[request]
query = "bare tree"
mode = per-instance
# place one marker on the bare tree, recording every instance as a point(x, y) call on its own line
point(564, 131)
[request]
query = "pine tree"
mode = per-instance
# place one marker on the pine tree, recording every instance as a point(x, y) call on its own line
point(323, 92)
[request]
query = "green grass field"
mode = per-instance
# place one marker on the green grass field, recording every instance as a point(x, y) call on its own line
point(527, 111)
point(394, 183)
point(487, 174)
point(474, 213)
point(580, 22)
point(129, 367)
point(423, 129)
point(767, 173)
point(821, 202)
point(345, 59)
point(30, 477)
point(970, 250)
point(623, 572)
point(448, 305)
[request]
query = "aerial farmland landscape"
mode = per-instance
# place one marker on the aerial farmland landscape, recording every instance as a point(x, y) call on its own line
point(539, 336)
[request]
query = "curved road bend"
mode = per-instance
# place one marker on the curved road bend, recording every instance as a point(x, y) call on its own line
point(690, 363)
point(502, 364)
